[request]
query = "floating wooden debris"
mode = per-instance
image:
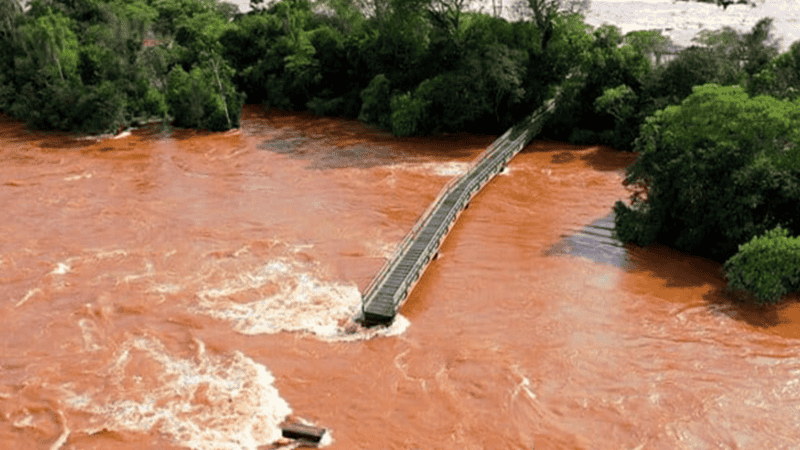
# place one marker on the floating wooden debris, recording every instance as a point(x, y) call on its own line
point(304, 432)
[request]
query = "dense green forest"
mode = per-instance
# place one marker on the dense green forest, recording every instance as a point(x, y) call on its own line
point(411, 66)
point(715, 125)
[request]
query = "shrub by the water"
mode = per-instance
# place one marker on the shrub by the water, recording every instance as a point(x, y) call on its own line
point(376, 107)
point(199, 99)
point(766, 268)
point(408, 114)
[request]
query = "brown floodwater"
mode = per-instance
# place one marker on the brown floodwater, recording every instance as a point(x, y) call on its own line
point(172, 290)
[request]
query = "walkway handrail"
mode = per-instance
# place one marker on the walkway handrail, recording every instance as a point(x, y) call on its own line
point(479, 172)
point(409, 237)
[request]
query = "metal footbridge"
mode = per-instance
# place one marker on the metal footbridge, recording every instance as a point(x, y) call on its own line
point(391, 286)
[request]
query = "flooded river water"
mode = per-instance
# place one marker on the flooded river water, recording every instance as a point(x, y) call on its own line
point(190, 290)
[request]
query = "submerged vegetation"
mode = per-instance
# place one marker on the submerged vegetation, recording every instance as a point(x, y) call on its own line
point(716, 124)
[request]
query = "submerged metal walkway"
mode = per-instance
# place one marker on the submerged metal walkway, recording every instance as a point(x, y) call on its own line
point(391, 286)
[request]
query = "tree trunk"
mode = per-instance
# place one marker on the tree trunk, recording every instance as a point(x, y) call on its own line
point(215, 66)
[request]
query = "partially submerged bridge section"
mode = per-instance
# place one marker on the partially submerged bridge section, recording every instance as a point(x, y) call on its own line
point(392, 285)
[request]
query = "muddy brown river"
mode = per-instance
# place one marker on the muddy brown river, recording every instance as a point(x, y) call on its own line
point(190, 290)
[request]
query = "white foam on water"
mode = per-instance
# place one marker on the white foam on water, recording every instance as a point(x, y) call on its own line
point(206, 402)
point(166, 288)
point(124, 134)
point(62, 438)
point(524, 385)
point(149, 271)
point(88, 331)
point(681, 21)
point(102, 254)
point(448, 169)
point(442, 169)
point(61, 269)
point(78, 177)
point(327, 439)
point(29, 421)
point(303, 303)
point(28, 296)
point(380, 249)
point(397, 327)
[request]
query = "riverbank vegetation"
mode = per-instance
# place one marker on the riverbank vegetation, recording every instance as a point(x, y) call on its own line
point(718, 164)
point(410, 66)
point(96, 66)
point(713, 172)
point(765, 268)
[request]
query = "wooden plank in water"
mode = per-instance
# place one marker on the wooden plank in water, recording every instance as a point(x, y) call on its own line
point(304, 432)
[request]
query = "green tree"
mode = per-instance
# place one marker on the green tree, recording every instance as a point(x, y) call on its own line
point(649, 42)
point(750, 51)
point(714, 172)
point(376, 102)
point(619, 102)
point(50, 45)
point(172, 13)
point(779, 78)
point(447, 14)
point(409, 113)
point(203, 99)
point(693, 66)
point(10, 11)
point(200, 35)
point(757, 48)
point(603, 65)
point(249, 47)
point(543, 13)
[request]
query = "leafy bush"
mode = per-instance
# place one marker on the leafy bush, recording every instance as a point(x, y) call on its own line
point(50, 45)
point(693, 66)
point(620, 103)
point(781, 77)
point(154, 104)
point(376, 102)
point(605, 98)
point(766, 268)
point(713, 172)
point(70, 106)
point(196, 100)
point(408, 114)
point(99, 109)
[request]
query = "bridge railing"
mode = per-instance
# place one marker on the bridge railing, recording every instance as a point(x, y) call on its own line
point(478, 180)
point(389, 265)
point(497, 147)
point(505, 147)
point(409, 238)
